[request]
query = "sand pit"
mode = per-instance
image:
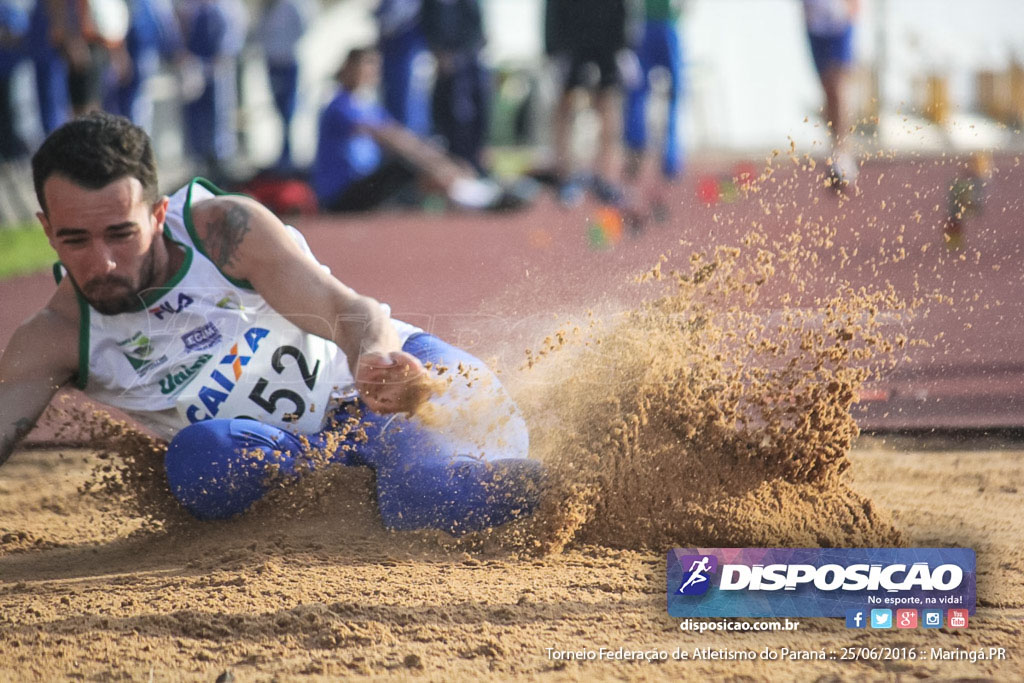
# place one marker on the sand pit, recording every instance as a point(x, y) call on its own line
point(325, 592)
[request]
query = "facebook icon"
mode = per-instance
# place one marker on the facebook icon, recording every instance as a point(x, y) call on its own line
point(855, 618)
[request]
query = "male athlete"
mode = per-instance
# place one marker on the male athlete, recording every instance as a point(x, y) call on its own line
point(208, 320)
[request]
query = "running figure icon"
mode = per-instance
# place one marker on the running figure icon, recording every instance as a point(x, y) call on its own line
point(697, 573)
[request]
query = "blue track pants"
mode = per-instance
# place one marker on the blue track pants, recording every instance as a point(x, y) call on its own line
point(466, 471)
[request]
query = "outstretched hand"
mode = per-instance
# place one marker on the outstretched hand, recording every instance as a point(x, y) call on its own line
point(392, 383)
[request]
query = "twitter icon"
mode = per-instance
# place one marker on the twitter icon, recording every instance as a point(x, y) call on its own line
point(881, 618)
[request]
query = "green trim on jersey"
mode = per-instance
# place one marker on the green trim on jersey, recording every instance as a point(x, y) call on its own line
point(58, 272)
point(83, 341)
point(187, 217)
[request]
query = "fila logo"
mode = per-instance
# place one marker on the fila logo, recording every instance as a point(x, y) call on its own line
point(167, 308)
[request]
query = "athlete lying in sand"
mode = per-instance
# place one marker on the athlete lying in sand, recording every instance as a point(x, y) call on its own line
point(209, 321)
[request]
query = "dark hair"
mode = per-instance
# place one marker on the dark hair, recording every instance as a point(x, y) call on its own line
point(95, 150)
point(357, 54)
point(353, 58)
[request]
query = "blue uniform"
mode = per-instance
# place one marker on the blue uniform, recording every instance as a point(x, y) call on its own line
point(660, 47)
point(830, 33)
point(462, 89)
point(51, 71)
point(152, 32)
point(13, 24)
point(214, 32)
point(345, 153)
point(832, 49)
point(401, 43)
point(280, 30)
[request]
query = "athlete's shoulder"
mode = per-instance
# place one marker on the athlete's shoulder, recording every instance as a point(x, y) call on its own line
point(231, 229)
point(218, 216)
point(206, 207)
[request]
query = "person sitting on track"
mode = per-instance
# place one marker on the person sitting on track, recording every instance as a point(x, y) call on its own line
point(365, 158)
point(209, 321)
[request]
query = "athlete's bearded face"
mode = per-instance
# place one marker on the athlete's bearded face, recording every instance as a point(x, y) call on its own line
point(107, 239)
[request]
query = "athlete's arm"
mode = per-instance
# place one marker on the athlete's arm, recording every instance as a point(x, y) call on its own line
point(246, 241)
point(41, 357)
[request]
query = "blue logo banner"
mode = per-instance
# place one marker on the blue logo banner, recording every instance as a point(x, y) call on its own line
point(817, 582)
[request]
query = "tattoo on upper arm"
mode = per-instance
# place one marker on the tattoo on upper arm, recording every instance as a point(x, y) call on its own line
point(224, 235)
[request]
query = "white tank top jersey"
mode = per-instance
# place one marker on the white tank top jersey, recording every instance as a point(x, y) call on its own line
point(205, 345)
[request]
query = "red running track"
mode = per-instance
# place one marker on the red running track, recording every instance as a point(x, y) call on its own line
point(480, 279)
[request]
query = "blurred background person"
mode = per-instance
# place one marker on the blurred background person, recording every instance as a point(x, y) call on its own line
point(89, 34)
point(401, 44)
point(16, 204)
point(281, 27)
point(14, 25)
point(830, 26)
point(214, 33)
point(153, 34)
point(587, 40)
point(659, 48)
point(462, 89)
point(366, 159)
point(51, 69)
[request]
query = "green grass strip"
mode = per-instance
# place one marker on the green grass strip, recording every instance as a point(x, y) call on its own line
point(24, 250)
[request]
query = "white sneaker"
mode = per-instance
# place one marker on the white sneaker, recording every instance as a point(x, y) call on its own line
point(843, 171)
point(473, 193)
